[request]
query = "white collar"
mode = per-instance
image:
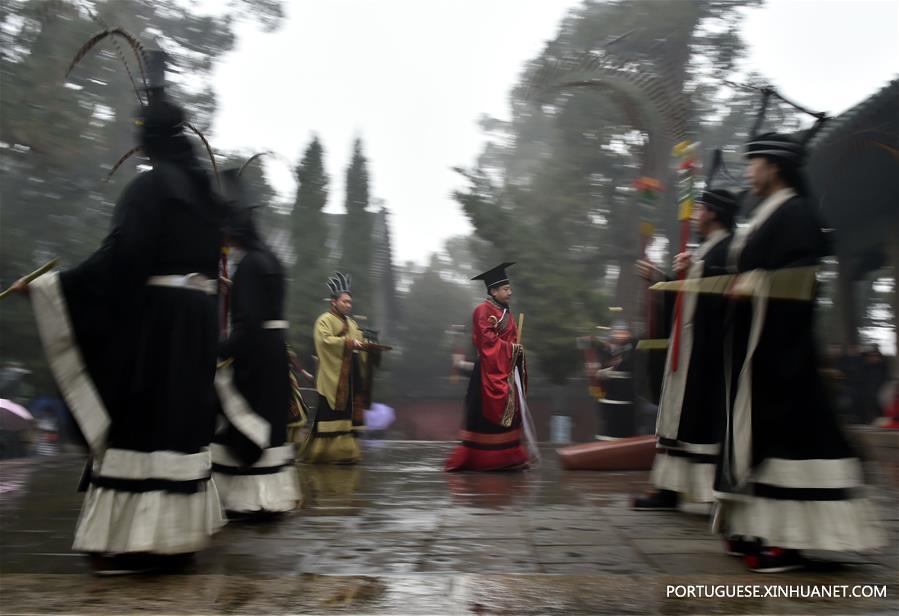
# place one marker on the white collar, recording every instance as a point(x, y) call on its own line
point(710, 242)
point(769, 206)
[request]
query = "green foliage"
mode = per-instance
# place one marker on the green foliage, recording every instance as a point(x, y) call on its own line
point(60, 140)
point(356, 241)
point(309, 233)
point(433, 303)
point(553, 187)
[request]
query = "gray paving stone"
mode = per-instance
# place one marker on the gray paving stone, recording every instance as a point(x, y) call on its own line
point(616, 556)
point(577, 537)
point(395, 535)
point(697, 564)
point(679, 546)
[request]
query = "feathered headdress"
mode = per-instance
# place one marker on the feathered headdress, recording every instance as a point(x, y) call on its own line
point(340, 283)
point(241, 226)
point(799, 140)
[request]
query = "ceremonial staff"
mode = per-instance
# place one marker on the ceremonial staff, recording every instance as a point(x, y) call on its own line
point(46, 267)
point(298, 411)
point(791, 283)
point(225, 291)
point(648, 189)
point(687, 173)
point(456, 334)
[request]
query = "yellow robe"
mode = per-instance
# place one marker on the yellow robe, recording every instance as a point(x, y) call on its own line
point(331, 333)
point(333, 436)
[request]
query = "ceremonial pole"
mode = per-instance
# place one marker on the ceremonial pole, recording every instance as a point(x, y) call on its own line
point(226, 294)
point(686, 176)
point(648, 189)
point(46, 267)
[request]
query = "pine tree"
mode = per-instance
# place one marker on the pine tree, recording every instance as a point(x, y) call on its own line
point(356, 241)
point(553, 189)
point(309, 235)
point(64, 135)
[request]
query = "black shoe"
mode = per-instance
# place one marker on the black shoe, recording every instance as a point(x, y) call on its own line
point(254, 517)
point(741, 546)
point(774, 560)
point(174, 563)
point(122, 564)
point(663, 500)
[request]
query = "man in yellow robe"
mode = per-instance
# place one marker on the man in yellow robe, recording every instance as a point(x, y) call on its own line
point(340, 346)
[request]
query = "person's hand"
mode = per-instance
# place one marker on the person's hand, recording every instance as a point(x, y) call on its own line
point(648, 271)
point(224, 284)
point(358, 344)
point(742, 287)
point(682, 262)
point(461, 365)
point(20, 287)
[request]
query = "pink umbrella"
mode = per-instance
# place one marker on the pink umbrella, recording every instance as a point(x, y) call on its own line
point(14, 417)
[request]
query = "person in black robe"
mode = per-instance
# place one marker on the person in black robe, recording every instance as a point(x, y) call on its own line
point(131, 336)
point(874, 375)
point(253, 466)
point(616, 411)
point(692, 406)
point(788, 479)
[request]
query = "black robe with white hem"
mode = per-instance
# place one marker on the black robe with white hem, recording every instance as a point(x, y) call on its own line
point(692, 405)
point(616, 410)
point(136, 363)
point(788, 474)
point(253, 466)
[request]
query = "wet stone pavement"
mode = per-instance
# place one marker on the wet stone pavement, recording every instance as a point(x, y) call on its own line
point(397, 535)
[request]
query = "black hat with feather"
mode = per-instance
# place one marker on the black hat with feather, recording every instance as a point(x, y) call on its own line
point(720, 201)
point(160, 122)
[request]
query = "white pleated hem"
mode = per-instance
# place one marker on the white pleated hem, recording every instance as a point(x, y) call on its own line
point(840, 526)
point(238, 411)
point(158, 522)
point(692, 480)
point(66, 362)
point(274, 492)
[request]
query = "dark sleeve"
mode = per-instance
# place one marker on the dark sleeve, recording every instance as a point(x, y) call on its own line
point(125, 258)
point(792, 237)
point(663, 312)
point(248, 296)
point(714, 264)
point(716, 260)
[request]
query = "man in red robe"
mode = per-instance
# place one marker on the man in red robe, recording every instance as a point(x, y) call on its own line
point(492, 438)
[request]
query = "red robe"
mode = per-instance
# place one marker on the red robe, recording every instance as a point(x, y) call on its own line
point(491, 439)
